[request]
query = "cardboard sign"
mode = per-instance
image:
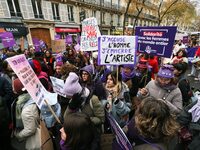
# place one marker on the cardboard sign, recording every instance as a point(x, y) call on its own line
point(32, 84)
point(117, 50)
point(122, 140)
point(58, 45)
point(89, 35)
point(156, 40)
point(58, 85)
point(7, 39)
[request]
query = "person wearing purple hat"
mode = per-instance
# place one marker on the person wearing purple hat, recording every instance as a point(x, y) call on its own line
point(165, 89)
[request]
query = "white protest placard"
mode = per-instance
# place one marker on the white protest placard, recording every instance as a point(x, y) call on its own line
point(89, 35)
point(58, 85)
point(32, 84)
point(117, 50)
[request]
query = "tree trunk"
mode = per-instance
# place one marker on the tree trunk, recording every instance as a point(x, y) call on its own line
point(125, 15)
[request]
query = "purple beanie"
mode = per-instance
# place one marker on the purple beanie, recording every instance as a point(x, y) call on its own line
point(166, 71)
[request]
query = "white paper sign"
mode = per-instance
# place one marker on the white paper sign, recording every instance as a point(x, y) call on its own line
point(58, 85)
point(32, 84)
point(117, 50)
point(89, 35)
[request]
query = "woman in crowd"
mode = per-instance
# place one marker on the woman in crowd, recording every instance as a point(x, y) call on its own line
point(118, 98)
point(49, 61)
point(26, 120)
point(78, 132)
point(153, 126)
point(164, 88)
point(181, 56)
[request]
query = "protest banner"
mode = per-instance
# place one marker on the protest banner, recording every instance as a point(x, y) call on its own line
point(121, 138)
point(32, 84)
point(58, 45)
point(7, 39)
point(58, 85)
point(89, 35)
point(117, 50)
point(156, 40)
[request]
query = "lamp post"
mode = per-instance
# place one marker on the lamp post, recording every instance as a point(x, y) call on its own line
point(100, 15)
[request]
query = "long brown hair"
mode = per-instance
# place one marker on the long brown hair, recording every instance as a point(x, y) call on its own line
point(153, 120)
point(79, 130)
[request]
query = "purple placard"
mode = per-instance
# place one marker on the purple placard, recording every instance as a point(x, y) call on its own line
point(69, 39)
point(156, 40)
point(7, 39)
point(57, 37)
point(77, 47)
point(185, 39)
point(36, 43)
point(122, 140)
point(59, 57)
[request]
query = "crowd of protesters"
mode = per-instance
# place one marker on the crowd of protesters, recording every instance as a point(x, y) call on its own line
point(150, 101)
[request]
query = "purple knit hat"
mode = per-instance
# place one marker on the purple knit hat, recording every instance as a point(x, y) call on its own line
point(166, 71)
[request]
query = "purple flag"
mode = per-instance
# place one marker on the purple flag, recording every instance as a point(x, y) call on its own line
point(69, 39)
point(36, 43)
point(57, 37)
point(77, 47)
point(7, 39)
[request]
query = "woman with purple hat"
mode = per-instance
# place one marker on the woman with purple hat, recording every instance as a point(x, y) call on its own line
point(164, 88)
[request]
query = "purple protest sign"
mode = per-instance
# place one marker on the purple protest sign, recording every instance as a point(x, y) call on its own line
point(185, 39)
point(57, 37)
point(69, 39)
point(77, 47)
point(7, 39)
point(122, 140)
point(156, 40)
point(36, 43)
point(59, 57)
point(42, 44)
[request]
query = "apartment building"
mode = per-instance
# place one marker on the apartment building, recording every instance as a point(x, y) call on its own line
point(43, 19)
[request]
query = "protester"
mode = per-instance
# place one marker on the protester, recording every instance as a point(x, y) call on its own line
point(118, 101)
point(180, 57)
point(164, 88)
point(58, 67)
point(26, 119)
point(87, 75)
point(153, 126)
point(49, 61)
point(78, 133)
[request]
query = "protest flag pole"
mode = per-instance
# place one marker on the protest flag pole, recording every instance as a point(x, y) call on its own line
point(93, 70)
point(52, 111)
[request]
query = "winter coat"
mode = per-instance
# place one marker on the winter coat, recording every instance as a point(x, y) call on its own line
point(173, 97)
point(30, 120)
point(185, 119)
point(123, 107)
point(95, 86)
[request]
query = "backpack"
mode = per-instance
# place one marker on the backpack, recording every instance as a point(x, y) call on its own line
point(184, 86)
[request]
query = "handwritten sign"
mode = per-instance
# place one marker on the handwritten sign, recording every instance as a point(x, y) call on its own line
point(89, 35)
point(58, 45)
point(32, 84)
point(122, 140)
point(156, 40)
point(117, 50)
point(58, 85)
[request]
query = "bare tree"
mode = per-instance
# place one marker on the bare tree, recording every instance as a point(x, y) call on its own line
point(126, 14)
point(139, 11)
point(163, 12)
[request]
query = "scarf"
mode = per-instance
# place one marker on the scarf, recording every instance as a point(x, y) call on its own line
point(21, 101)
point(126, 77)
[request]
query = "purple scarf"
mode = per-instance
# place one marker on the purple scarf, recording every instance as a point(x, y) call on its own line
point(126, 77)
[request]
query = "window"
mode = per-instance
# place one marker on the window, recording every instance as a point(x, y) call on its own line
point(94, 13)
point(103, 18)
point(55, 9)
point(37, 8)
point(14, 8)
point(70, 13)
point(118, 20)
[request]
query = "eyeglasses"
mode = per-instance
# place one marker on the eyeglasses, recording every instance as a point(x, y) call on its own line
point(85, 74)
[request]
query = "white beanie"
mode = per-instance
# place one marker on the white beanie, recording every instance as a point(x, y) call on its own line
point(72, 85)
